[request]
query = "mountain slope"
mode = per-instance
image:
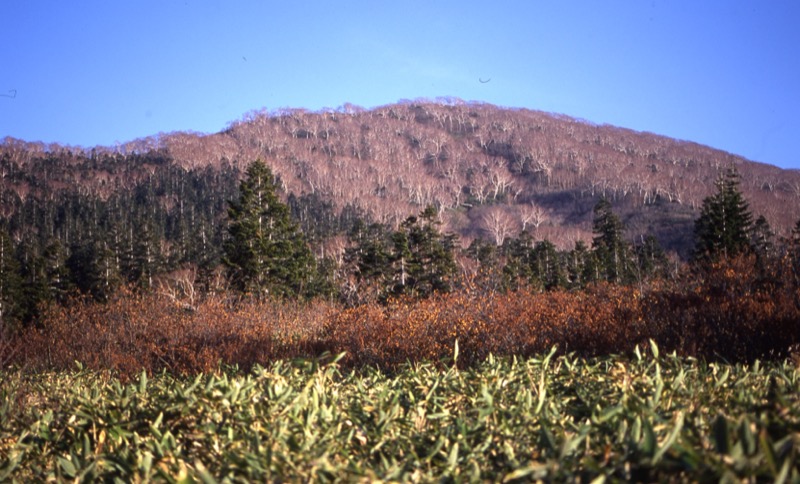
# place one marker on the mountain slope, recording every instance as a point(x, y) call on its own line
point(491, 171)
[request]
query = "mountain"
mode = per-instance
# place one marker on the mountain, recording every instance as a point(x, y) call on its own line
point(490, 171)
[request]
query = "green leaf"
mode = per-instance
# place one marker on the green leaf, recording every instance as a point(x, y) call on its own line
point(723, 378)
point(746, 437)
point(536, 468)
point(452, 458)
point(678, 382)
point(546, 438)
point(673, 436)
point(143, 382)
point(436, 448)
point(608, 413)
point(654, 348)
point(784, 473)
point(721, 435)
point(67, 467)
point(147, 463)
point(569, 445)
point(203, 473)
point(648, 445)
point(10, 466)
point(546, 361)
point(157, 422)
point(767, 449)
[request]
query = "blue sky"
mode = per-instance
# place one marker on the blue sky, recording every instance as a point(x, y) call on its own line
point(721, 73)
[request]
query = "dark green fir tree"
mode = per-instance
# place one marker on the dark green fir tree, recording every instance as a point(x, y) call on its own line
point(368, 260)
point(580, 265)
point(763, 239)
point(611, 251)
point(652, 260)
point(423, 260)
point(10, 284)
point(266, 254)
point(93, 270)
point(723, 229)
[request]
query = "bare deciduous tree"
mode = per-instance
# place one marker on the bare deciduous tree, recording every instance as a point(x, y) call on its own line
point(498, 224)
point(532, 215)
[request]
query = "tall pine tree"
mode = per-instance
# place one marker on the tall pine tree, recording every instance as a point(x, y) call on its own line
point(723, 229)
point(266, 253)
point(612, 252)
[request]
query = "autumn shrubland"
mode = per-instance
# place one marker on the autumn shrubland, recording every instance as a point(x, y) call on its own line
point(727, 312)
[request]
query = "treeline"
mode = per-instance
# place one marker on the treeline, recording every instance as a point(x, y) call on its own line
point(61, 245)
point(246, 241)
point(152, 219)
point(267, 253)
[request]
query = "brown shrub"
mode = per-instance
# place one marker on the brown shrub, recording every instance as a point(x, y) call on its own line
point(726, 311)
point(147, 331)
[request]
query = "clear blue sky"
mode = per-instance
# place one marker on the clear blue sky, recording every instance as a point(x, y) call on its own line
point(88, 72)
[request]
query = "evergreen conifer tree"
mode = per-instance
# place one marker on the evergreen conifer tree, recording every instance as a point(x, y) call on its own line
point(145, 261)
point(763, 246)
point(653, 261)
point(489, 275)
point(266, 253)
point(548, 267)
point(518, 268)
point(611, 251)
point(55, 261)
point(762, 238)
point(723, 228)
point(35, 287)
point(422, 257)
point(793, 247)
point(535, 263)
point(92, 269)
point(370, 252)
point(369, 260)
point(10, 284)
point(580, 265)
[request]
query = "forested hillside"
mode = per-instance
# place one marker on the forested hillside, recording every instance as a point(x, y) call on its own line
point(487, 184)
point(489, 171)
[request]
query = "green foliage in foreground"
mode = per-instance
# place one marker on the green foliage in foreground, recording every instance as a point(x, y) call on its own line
point(647, 418)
